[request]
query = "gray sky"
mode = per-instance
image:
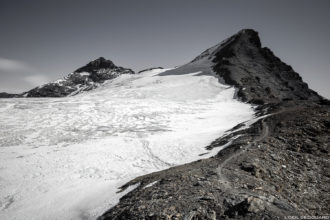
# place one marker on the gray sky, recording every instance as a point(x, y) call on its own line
point(43, 40)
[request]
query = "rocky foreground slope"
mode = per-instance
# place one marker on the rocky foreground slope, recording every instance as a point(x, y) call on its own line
point(277, 167)
point(85, 78)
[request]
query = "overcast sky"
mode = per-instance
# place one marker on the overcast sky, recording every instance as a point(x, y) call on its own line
point(44, 40)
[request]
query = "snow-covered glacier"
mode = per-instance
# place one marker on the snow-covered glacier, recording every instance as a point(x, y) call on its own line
point(64, 158)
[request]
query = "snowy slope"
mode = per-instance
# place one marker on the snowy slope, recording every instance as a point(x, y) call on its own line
point(64, 158)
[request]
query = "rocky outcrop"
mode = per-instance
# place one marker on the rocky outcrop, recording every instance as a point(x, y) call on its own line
point(153, 68)
point(85, 78)
point(257, 73)
point(277, 167)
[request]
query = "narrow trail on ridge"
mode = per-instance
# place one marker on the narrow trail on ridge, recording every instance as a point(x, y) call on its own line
point(264, 134)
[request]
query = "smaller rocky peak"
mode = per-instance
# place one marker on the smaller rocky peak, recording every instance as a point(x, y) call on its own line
point(86, 78)
point(99, 63)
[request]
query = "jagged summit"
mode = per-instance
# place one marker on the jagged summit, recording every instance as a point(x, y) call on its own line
point(85, 78)
point(251, 34)
point(259, 76)
point(99, 63)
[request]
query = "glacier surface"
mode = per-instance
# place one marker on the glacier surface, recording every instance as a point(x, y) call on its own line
point(64, 158)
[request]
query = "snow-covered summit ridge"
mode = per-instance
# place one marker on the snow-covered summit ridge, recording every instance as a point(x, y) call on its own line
point(85, 78)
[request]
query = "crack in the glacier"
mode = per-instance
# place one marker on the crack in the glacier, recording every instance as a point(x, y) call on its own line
point(145, 145)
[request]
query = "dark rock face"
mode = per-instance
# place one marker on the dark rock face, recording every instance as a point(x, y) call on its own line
point(94, 66)
point(85, 78)
point(278, 167)
point(257, 73)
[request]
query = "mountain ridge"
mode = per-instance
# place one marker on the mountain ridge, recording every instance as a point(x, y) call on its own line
point(237, 64)
point(222, 61)
point(85, 78)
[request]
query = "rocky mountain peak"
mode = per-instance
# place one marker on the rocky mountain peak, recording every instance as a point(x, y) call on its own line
point(85, 78)
point(258, 75)
point(99, 63)
point(256, 72)
point(249, 36)
point(246, 38)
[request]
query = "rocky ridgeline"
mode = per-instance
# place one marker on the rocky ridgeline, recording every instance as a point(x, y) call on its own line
point(85, 78)
point(257, 73)
point(149, 69)
point(278, 167)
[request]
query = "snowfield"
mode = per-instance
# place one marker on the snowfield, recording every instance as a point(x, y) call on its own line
point(64, 158)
